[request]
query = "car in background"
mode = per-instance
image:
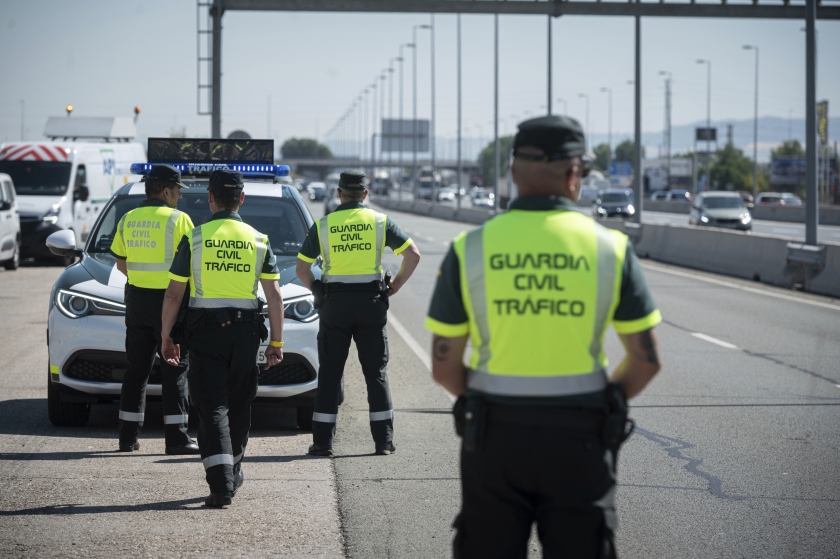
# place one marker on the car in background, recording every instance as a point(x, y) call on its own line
point(317, 190)
point(614, 202)
point(659, 195)
point(791, 199)
point(446, 194)
point(748, 199)
point(331, 200)
point(778, 199)
point(587, 196)
point(720, 209)
point(679, 196)
point(482, 198)
point(9, 224)
point(86, 315)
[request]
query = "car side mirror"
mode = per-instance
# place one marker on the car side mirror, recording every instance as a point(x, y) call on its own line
point(62, 243)
point(5, 205)
point(82, 193)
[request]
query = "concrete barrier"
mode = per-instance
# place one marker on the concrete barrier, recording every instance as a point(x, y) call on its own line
point(829, 215)
point(666, 206)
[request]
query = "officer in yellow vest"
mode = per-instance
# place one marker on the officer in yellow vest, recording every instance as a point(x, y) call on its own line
point(144, 245)
point(352, 296)
point(534, 290)
point(224, 261)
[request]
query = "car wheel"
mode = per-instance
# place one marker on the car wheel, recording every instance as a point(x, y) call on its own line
point(304, 417)
point(65, 414)
point(13, 263)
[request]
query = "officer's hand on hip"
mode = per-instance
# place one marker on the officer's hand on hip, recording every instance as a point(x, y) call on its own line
point(393, 287)
point(170, 351)
point(273, 356)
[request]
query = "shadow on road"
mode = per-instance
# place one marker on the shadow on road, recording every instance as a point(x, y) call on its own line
point(72, 508)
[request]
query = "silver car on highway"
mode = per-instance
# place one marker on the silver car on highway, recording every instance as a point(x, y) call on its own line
point(720, 209)
point(86, 318)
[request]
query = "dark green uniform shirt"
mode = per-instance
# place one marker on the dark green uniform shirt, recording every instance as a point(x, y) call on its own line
point(182, 261)
point(395, 239)
point(636, 302)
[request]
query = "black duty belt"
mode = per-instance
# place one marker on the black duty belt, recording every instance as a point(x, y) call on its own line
point(339, 287)
point(232, 314)
point(575, 419)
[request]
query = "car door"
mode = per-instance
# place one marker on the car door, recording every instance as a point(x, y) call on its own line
point(7, 217)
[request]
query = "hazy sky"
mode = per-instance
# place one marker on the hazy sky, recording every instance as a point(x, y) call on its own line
point(106, 56)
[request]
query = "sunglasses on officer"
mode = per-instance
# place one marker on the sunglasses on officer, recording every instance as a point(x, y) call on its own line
point(585, 166)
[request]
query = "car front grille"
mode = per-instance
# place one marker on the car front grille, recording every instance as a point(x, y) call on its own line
point(727, 221)
point(292, 370)
point(103, 366)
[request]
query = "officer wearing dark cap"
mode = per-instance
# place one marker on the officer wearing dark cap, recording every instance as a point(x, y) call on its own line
point(534, 290)
point(144, 245)
point(352, 296)
point(224, 261)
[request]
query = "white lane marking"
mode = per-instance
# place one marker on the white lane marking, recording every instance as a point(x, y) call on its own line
point(410, 341)
point(415, 346)
point(710, 339)
point(741, 287)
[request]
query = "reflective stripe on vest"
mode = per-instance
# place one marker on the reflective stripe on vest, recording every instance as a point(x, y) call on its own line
point(352, 242)
point(148, 258)
point(226, 262)
point(539, 308)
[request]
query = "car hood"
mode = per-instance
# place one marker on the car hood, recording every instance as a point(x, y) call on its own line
point(92, 277)
point(37, 206)
point(614, 205)
point(725, 213)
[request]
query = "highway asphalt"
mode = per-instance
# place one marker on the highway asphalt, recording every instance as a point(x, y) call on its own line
point(735, 454)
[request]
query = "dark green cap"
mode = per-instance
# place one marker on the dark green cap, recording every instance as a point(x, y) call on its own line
point(352, 180)
point(559, 137)
point(225, 178)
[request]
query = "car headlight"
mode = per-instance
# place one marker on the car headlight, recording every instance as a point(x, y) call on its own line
point(746, 218)
point(301, 309)
point(630, 209)
point(78, 305)
point(601, 210)
point(52, 215)
point(704, 218)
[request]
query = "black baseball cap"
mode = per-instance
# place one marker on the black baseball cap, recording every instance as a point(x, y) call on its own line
point(226, 178)
point(352, 180)
point(165, 173)
point(559, 137)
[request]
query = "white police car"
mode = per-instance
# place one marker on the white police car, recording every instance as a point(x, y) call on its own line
point(86, 335)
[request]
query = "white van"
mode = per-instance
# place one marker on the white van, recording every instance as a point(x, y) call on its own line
point(9, 224)
point(65, 182)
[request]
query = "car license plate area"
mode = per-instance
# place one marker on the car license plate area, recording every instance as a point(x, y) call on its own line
point(261, 355)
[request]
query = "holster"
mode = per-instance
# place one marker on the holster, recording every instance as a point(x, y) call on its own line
point(318, 294)
point(474, 423)
point(385, 288)
point(617, 424)
point(261, 320)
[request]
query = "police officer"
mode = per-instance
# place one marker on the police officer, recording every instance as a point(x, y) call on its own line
point(534, 290)
point(352, 295)
point(144, 246)
point(224, 260)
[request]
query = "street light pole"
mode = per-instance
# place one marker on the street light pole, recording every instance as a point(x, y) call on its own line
point(609, 127)
point(496, 154)
point(565, 105)
point(708, 64)
point(668, 81)
point(549, 65)
point(460, 167)
point(588, 132)
point(755, 124)
point(432, 131)
point(414, 95)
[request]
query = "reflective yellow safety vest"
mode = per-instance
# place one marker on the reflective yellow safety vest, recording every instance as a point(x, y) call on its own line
point(352, 242)
point(147, 238)
point(538, 309)
point(226, 261)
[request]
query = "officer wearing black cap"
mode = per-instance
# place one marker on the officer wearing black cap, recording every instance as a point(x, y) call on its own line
point(224, 260)
point(352, 296)
point(144, 245)
point(534, 290)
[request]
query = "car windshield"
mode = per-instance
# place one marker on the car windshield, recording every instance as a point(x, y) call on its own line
point(718, 202)
point(615, 197)
point(279, 218)
point(769, 197)
point(482, 195)
point(38, 178)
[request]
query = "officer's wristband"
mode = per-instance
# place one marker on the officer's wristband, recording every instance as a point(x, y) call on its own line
point(272, 343)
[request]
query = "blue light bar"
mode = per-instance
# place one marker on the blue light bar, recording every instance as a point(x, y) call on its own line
point(257, 170)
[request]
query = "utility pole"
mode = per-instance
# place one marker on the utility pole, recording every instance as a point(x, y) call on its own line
point(588, 131)
point(609, 127)
point(216, 12)
point(496, 154)
point(667, 138)
point(432, 131)
point(549, 66)
point(460, 165)
point(811, 205)
point(638, 187)
point(755, 124)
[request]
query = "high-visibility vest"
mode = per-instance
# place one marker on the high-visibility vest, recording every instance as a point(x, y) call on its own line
point(226, 261)
point(352, 242)
point(540, 288)
point(150, 236)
